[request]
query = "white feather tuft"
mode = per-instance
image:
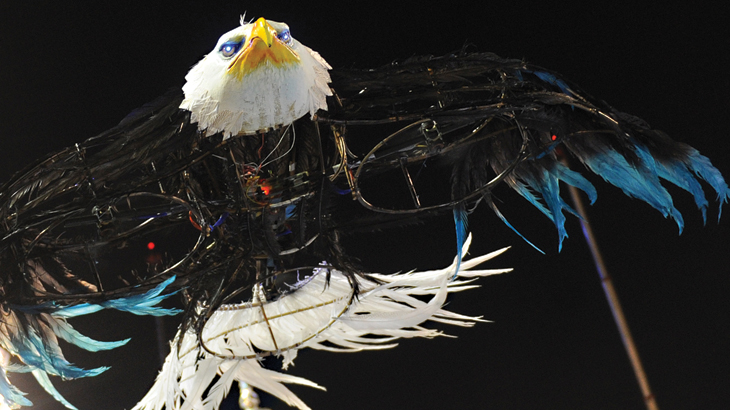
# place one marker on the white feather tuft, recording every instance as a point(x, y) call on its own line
point(268, 97)
point(318, 315)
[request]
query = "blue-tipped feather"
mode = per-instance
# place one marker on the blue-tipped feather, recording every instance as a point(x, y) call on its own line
point(551, 79)
point(640, 181)
point(547, 184)
point(509, 225)
point(37, 346)
point(78, 310)
point(144, 304)
point(651, 175)
point(45, 382)
point(684, 173)
point(518, 74)
point(678, 174)
point(291, 210)
point(11, 394)
point(702, 167)
point(461, 223)
point(526, 192)
point(551, 194)
point(33, 338)
point(138, 304)
point(340, 191)
point(17, 368)
point(220, 220)
point(64, 330)
point(575, 179)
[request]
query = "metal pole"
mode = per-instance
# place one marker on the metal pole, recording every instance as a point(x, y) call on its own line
point(613, 302)
point(162, 346)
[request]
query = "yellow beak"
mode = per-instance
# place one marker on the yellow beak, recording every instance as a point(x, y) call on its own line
point(262, 47)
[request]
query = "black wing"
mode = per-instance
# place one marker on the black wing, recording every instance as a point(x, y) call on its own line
point(468, 122)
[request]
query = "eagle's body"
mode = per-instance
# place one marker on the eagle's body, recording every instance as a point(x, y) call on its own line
point(255, 173)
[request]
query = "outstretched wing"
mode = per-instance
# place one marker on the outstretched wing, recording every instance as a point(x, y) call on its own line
point(468, 122)
point(68, 220)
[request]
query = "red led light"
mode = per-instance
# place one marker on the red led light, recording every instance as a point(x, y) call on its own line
point(151, 245)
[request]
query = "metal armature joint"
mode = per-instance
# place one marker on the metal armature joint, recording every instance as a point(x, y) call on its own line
point(104, 214)
point(82, 158)
point(431, 132)
point(339, 134)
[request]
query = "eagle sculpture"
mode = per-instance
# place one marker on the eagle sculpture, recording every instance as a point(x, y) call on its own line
point(259, 166)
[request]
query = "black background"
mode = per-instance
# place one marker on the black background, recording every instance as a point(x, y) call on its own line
point(68, 72)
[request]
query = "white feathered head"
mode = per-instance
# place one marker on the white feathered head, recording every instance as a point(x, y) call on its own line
point(258, 77)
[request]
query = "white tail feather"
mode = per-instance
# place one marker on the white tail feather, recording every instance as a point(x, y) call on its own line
point(320, 315)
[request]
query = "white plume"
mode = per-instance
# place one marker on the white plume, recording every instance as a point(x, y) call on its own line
point(268, 97)
point(318, 315)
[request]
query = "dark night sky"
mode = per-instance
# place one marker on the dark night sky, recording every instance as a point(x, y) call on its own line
point(70, 72)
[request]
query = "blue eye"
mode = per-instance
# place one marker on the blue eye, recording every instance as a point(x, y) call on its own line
point(284, 36)
point(230, 48)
